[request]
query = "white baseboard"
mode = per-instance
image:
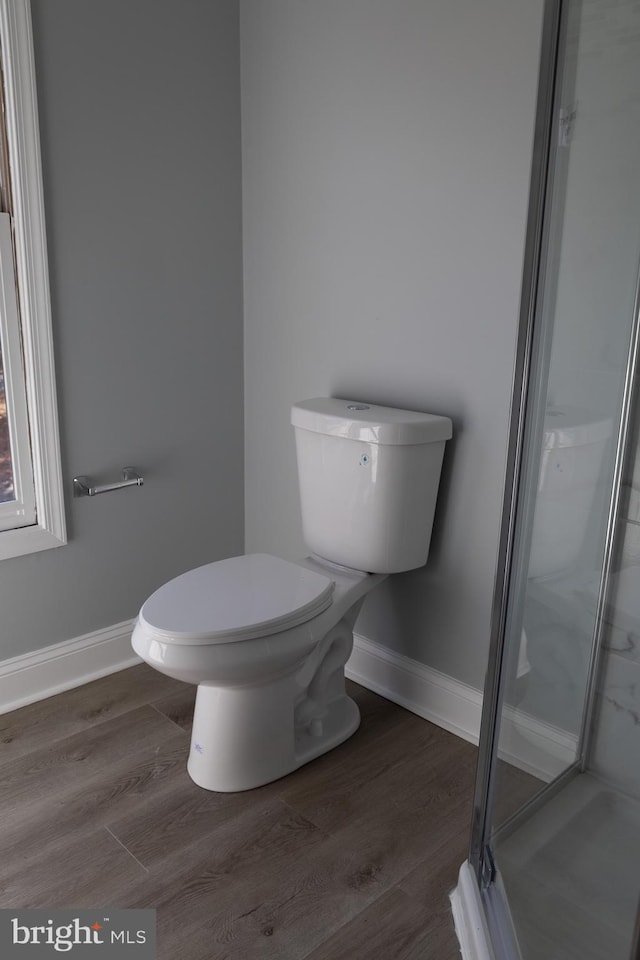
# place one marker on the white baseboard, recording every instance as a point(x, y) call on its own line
point(536, 747)
point(530, 744)
point(43, 673)
point(450, 704)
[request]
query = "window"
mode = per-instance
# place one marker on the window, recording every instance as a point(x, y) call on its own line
point(18, 507)
point(31, 495)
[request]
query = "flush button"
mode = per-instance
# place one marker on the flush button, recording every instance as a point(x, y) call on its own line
point(358, 406)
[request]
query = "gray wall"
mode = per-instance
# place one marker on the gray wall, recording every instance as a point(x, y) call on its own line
point(140, 125)
point(386, 159)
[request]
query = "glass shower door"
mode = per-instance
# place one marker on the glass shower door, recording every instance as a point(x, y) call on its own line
point(542, 829)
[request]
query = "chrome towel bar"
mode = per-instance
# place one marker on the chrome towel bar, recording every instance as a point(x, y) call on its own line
point(130, 478)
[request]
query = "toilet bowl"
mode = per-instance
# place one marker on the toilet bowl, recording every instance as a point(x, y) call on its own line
point(266, 640)
point(271, 694)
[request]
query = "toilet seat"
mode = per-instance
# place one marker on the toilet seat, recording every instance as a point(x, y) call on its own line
point(239, 598)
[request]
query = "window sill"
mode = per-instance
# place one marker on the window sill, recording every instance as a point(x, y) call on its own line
point(23, 540)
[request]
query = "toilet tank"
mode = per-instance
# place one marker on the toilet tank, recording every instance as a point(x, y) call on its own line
point(369, 480)
point(573, 447)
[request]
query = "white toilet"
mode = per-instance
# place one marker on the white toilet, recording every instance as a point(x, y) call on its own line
point(266, 640)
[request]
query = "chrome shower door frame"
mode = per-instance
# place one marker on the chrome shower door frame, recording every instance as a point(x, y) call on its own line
point(529, 346)
point(529, 381)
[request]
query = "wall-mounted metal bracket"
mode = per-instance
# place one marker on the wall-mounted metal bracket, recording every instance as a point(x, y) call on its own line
point(130, 478)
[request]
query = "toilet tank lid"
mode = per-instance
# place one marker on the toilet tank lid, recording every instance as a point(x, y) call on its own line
point(369, 422)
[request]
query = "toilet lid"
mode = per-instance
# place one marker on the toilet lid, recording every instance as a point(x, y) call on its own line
point(236, 599)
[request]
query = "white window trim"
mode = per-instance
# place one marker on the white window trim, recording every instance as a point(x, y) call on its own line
point(23, 137)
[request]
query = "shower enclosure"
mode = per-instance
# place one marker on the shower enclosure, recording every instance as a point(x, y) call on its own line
point(555, 855)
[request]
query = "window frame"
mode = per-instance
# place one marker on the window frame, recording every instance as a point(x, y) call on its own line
point(32, 281)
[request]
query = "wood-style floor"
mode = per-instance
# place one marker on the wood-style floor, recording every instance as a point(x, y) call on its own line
point(353, 856)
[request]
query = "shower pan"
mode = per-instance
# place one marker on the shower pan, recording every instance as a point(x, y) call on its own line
point(554, 865)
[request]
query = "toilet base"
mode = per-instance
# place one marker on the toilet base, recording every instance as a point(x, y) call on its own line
point(340, 722)
point(244, 737)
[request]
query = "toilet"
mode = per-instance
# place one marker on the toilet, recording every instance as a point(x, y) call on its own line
point(266, 640)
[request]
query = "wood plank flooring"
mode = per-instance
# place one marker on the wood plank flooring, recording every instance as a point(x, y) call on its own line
point(353, 856)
